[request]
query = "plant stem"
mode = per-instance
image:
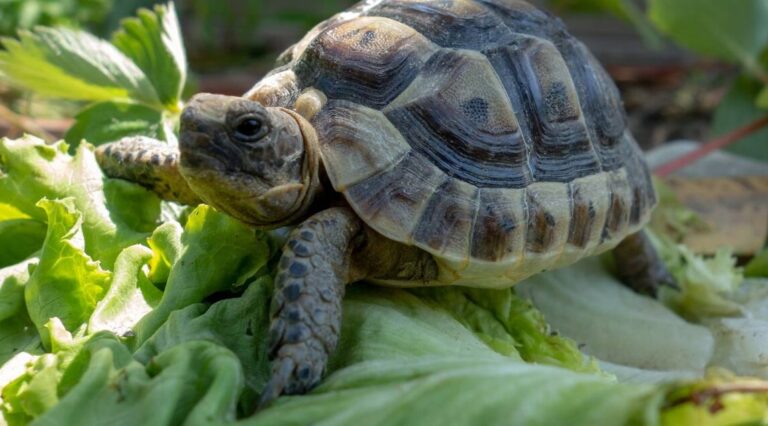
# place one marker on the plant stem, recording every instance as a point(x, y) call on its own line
point(713, 145)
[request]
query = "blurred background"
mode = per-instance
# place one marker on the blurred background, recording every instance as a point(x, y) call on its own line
point(669, 92)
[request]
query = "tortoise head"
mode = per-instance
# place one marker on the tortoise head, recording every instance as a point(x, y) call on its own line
point(258, 164)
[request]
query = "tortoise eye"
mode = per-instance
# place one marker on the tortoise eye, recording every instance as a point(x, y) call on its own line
point(250, 129)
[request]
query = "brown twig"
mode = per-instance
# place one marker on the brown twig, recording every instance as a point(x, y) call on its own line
point(713, 145)
point(24, 124)
point(703, 396)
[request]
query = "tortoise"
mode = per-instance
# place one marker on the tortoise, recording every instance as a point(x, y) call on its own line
point(413, 143)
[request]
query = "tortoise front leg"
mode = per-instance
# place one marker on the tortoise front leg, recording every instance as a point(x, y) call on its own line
point(306, 306)
point(639, 266)
point(148, 162)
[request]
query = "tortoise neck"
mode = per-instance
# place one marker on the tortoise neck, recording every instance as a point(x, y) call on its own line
point(311, 171)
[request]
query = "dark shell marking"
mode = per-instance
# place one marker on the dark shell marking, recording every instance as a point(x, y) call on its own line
point(475, 129)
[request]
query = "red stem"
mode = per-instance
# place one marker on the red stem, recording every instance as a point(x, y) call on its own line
point(715, 144)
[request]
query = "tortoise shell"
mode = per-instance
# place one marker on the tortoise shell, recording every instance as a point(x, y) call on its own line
point(477, 130)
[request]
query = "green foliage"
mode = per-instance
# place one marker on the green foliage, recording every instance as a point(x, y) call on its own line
point(135, 82)
point(72, 64)
point(153, 41)
point(16, 14)
point(109, 121)
point(733, 31)
point(739, 108)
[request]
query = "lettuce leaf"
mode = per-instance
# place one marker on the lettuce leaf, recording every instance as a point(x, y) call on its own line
point(462, 391)
point(174, 331)
point(130, 295)
point(510, 325)
point(30, 170)
point(12, 282)
point(17, 332)
point(217, 253)
point(612, 323)
point(66, 283)
point(402, 359)
point(705, 283)
point(119, 390)
point(239, 324)
point(19, 238)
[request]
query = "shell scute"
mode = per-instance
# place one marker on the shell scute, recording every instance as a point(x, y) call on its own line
point(500, 225)
point(548, 217)
point(456, 113)
point(377, 58)
point(589, 197)
point(535, 75)
point(358, 141)
point(619, 204)
point(393, 201)
point(462, 24)
point(446, 224)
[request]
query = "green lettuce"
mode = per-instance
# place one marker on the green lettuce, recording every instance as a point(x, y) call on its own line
point(217, 252)
point(66, 283)
point(20, 238)
point(130, 296)
point(616, 325)
point(115, 215)
point(705, 283)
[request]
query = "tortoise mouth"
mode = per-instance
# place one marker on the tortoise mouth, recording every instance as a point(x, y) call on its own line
point(198, 152)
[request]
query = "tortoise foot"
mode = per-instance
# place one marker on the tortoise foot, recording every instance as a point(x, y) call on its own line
point(639, 266)
point(306, 306)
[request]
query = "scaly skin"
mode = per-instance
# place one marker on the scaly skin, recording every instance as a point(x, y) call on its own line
point(148, 162)
point(306, 306)
point(639, 266)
